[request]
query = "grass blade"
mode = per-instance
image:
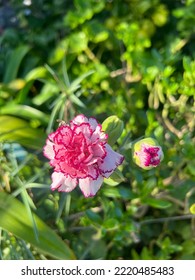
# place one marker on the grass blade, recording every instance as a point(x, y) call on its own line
point(13, 129)
point(15, 220)
point(14, 62)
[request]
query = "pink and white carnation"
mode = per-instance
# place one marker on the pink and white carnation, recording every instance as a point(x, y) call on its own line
point(80, 156)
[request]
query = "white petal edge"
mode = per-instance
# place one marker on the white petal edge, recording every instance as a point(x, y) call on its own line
point(79, 119)
point(98, 134)
point(111, 161)
point(89, 187)
point(48, 150)
point(93, 123)
point(83, 119)
point(63, 183)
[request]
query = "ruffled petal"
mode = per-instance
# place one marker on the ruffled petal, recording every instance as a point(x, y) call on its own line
point(78, 120)
point(89, 187)
point(93, 123)
point(63, 183)
point(99, 150)
point(71, 171)
point(63, 135)
point(48, 150)
point(92, 172)
point(82, 119)
point(99, 135)
point(84, 128)
point(111, 161)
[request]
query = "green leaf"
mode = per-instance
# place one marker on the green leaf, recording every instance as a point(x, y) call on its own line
point(113, 126)
point(94, 217)
point(15, 220)
point(78, 42)
point(115, 179)
point(111, 224)
point(77, 101)
point(157, 203)
point(22, 94)
point(14, 62)
point(84, 11)
point(36, 73)
point(119, 192)
point(24, 111)
point(48, 91)
point(17, 130)
point(96, 31)
point(111, 182)
point(76, 82)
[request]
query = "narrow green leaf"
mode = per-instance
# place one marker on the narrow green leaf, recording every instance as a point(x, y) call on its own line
point(22, 94)
point(14, 62)
point(65, 73)
point(13, 129)
point(15, 220)
point(94, 217)
point(24, 111)
point(118, 192)
point(61, 85)
point(48, 91)
point(77, 101)
point(30, 186)
point(157, 203)
point(62, 203)
point(77, 81)
point(36, 73)
point(54, 113)
point(26, 198)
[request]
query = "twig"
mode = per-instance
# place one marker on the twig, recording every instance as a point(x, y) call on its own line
point(167, 219)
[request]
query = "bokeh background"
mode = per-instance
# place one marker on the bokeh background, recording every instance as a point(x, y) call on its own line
point(134, 59)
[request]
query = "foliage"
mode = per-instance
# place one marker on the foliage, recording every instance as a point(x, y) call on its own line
point(132, 60)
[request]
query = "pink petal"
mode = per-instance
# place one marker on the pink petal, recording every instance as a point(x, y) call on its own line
point(51, 136)
point(78, 120)
point(63, 135)
point(48, 150)
point(82, 119)
point(111, 161)
point(99, 150)
point(98, 134)
point(89, 187)
point(93, 123)
point(63, 183)
point(69, 170)
point(84, 128)
point(92, 172)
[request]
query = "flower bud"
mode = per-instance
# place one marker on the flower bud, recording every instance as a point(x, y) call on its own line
point(147, 153)
point(113, 126)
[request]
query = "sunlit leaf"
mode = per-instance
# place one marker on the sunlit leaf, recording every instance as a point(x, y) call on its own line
point(15, 220)
point(24, 111)
point(157, 203)
point(13, 129)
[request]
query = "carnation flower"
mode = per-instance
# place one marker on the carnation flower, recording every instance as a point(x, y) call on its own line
point(147, 153)
point(80, 156)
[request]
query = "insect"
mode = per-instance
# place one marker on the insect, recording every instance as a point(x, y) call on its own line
point(61, 122)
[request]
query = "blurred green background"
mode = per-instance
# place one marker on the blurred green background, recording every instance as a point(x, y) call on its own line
point(131, 58)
